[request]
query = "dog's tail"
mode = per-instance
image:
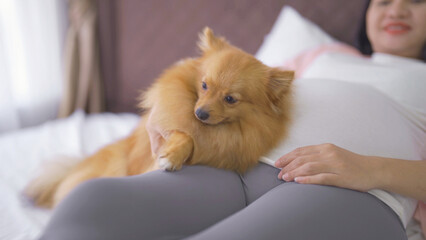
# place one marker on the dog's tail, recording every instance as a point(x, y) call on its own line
point(41, 190)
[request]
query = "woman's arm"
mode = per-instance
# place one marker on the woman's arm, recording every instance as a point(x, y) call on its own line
point(328, 164)
point(405, 177)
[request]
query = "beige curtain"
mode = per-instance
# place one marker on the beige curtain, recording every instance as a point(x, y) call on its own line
point(83, 88)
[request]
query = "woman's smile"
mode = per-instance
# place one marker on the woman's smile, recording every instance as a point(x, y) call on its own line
point(397, 28)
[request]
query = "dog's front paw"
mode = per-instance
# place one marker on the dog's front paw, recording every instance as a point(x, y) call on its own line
point(175, 152)
point(165, 164)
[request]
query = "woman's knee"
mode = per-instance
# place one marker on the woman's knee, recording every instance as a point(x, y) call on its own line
point(300, 211)
point(338, 212)
point(95, 189)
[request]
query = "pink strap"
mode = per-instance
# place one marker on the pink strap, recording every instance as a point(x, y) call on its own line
point(306, 58)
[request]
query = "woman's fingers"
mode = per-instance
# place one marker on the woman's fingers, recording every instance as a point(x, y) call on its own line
point(330, 179)
point(157, 136)
point(156, 141)
point(307, 169)
point(297, 162)
point(289, 157)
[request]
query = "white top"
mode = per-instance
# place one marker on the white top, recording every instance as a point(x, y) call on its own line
point(371, 106)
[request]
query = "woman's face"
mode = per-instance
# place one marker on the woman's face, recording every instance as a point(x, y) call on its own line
point(397, 27)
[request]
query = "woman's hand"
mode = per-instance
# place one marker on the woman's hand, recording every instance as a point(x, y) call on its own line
point(156, 134)
point(328, 164)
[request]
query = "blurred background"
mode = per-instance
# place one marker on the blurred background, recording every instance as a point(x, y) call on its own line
point(32, 35)
point(57, 56)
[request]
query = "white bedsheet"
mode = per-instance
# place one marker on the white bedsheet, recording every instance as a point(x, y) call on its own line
point(25, 151)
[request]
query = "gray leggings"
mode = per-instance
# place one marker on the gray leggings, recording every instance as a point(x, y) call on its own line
point(199, 202)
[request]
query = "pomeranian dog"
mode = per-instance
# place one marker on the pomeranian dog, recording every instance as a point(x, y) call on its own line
point(224, 109)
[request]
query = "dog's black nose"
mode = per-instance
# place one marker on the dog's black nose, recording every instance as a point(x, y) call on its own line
point(202, 115)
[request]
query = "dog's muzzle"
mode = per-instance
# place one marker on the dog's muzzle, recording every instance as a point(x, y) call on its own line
point(201, 114)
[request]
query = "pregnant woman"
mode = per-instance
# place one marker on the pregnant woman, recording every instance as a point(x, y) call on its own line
point(357, 124)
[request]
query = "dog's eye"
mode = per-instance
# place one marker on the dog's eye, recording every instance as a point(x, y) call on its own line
point(204, 85)
point(230, 99)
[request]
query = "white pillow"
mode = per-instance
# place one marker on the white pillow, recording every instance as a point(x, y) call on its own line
point(291, 35)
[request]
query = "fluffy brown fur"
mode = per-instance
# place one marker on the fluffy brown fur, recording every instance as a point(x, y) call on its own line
point(247, 104)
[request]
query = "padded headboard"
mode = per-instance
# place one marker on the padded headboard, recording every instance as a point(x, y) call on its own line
point(139, 39)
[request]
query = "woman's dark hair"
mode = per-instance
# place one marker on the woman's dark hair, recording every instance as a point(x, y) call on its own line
point(362, 42)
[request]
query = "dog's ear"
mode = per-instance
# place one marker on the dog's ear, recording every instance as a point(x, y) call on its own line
point(279, 84)
point(208, 41)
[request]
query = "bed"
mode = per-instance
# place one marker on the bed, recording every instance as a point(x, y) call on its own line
point(138, 39)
